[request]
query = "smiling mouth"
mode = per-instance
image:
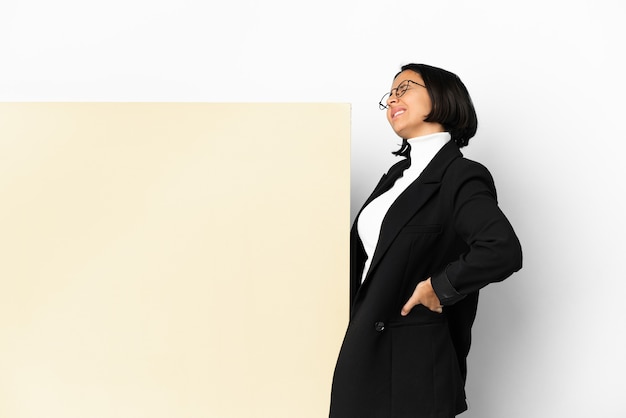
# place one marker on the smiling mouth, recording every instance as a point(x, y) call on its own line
point(397, 113)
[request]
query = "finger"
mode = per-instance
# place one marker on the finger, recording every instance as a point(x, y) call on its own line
point(408, 306)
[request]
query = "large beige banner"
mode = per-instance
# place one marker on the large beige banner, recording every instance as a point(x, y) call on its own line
point(172, 259)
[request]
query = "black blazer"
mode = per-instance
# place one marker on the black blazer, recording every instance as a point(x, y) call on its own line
point(446, 225)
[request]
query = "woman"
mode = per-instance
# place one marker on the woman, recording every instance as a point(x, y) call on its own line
point(426, 240)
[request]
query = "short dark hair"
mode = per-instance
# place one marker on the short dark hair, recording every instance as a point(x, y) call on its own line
point(452, 105)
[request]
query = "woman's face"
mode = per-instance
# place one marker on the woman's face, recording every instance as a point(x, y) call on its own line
point(406, 113)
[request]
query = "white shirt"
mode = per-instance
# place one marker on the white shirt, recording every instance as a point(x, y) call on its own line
point(423, 149)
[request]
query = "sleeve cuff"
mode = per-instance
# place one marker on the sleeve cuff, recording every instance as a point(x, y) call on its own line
point(444, 290)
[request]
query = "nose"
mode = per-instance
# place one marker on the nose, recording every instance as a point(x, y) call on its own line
point(393, 98)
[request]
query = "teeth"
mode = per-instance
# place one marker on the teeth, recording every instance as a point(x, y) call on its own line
point(399, 112)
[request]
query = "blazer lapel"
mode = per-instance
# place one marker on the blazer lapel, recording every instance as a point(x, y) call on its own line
point(386, 181)
point(412, 200)
point(357, 252)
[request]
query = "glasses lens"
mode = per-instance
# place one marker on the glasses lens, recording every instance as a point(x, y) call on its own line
point(402, 88)
point(383, 102)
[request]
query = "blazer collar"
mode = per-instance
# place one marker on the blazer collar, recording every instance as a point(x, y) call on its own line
point(411, 199)
point(434, 171)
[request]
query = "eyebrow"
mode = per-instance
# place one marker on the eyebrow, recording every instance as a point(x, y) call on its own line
point(406, 79)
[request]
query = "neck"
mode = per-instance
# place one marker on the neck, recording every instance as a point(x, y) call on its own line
point(425, 144)
point(426, 128)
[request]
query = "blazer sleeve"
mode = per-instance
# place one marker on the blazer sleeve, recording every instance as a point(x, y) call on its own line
point(494, 250)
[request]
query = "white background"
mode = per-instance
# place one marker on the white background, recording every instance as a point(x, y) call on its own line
point(547, 79)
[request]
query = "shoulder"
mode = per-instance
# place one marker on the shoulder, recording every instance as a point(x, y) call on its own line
point(463, 168)
point(465, 165)
point(464, 173)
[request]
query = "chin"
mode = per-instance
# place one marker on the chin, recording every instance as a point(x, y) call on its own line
point(402, 134)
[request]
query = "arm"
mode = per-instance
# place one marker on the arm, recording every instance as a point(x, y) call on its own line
point(494, 250)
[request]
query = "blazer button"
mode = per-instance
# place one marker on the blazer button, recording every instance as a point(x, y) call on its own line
point(379, 326)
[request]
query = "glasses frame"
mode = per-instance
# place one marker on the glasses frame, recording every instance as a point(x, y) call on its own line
point(382, 103)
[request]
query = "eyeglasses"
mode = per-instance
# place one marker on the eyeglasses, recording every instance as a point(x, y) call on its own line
point(400, 90)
